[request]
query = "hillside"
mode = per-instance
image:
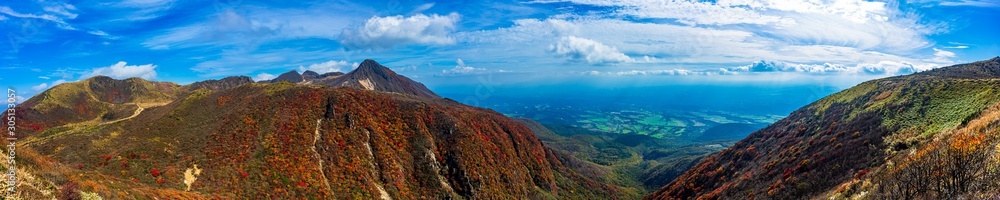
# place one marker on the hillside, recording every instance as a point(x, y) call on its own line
point(233, 139)
point(930, 135)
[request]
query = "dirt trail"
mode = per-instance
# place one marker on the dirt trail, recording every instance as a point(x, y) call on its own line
point(137, 112)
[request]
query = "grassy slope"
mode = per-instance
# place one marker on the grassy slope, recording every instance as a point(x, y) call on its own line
point(827, 143)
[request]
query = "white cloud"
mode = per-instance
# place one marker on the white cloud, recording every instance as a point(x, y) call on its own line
point(583, 49)
point(879, 68)
point(61, 9)
point(98, 33)
point(942, 56)
point(957, 47)
point(422, 8)
point(384, 32)
point(44, 77)
point(45, 86)
point(462, 69)
point(858, 24)
point(264, 76)
point(141, 10)
point(668, 72)
point(121, 70)
point(973, 3)
point(329, 66)
point(47, 17)
point(248, 27)
point(40, 87)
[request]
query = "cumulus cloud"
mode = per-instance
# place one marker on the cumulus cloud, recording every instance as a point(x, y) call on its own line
point(328, 66)
point(264, 76)
point(879, 68)
point(590, 51)
point(385, 32)
point(883, 68)
point(122, 70)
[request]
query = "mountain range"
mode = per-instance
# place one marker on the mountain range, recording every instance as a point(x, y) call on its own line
point(367, 134)
point(375, 134)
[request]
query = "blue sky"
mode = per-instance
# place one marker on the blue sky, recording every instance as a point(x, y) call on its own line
point(519, 42)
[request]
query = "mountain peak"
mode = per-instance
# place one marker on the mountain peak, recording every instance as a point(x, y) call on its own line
point(369, 62)
point(371, 75)
point(290, 76)
point(371, 66)
point(310, 73)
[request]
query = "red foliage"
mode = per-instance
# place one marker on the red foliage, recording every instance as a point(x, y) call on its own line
point(79, 166)
point(154, 172)
point(861, 173)
point(243, 174)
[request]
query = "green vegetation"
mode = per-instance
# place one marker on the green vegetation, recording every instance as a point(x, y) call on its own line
point(639, 162)
point(931, 135)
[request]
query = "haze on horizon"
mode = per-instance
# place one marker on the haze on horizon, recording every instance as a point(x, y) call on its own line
point(514, 44)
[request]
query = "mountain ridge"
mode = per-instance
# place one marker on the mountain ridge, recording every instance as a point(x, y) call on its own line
point(232, 138)
point(369, 75)
point(844, 145)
